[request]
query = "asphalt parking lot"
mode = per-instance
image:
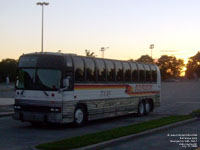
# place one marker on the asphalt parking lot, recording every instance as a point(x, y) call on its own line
point(177, 98)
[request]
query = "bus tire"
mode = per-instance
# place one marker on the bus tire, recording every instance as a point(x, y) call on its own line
point(147, 107)
point(80, 116)
point(141, 109)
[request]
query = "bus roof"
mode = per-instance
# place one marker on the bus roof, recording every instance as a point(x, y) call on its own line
point(72, 54)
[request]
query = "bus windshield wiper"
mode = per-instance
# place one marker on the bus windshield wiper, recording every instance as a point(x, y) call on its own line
point(45, 93)
point(22, 92)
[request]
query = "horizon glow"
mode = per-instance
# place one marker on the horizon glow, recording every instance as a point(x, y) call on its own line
point(127, 27)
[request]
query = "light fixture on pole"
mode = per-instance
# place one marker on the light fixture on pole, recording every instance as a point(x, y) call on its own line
point(151, 47)
point(42, 4)
point(102, 51)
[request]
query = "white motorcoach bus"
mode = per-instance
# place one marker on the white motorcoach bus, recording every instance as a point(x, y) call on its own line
point(63, 88)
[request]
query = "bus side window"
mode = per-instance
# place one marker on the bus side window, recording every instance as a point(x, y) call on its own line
point(90, 69)
point(141, 72)
point(148, 73)
point(154, 73)
point(119, 71)
point(101, 70)
point(110, 70)
point(134, 72)
point(78, 69)
point(127, 71)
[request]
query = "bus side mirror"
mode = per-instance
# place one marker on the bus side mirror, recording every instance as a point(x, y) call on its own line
point(66, 83)
point(17, 83)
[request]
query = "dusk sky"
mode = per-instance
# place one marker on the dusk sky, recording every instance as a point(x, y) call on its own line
point(127, 27)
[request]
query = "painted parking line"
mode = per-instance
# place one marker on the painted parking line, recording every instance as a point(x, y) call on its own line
point(187, 102)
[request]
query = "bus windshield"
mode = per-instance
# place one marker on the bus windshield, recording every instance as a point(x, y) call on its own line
point(39, 79)
point(42, 61)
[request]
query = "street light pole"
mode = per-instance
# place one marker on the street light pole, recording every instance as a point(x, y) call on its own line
point(42, 4)
point(151, 47)
point(102, 51)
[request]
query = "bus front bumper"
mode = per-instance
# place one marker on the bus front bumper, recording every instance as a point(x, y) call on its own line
point(38, 117)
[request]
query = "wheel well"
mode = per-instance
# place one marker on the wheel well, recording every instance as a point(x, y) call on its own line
point(150, 100)
point(82, 105)
point(141, 101)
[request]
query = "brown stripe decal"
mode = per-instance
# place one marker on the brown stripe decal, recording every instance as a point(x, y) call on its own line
point(96, 87)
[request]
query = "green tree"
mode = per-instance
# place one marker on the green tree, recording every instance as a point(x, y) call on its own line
point(170, 66)
point(193, 66)
point(145, 59)
point(131, 60)
point(89, 54)
point(8, 67)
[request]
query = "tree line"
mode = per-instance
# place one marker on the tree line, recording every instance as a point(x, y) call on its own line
point(170, 66)
point(8, 68)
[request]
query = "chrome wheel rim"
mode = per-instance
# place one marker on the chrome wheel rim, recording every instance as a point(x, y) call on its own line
point(147, 107)
point(141, 108)
point(79, 116)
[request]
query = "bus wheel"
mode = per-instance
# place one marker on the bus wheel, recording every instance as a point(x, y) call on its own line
point(147, 107)
point(80, 116)
point(141, 109)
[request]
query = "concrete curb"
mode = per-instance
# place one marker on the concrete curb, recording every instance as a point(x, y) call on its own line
point(33, 148)
point(8, 90)
point(5, 110)
point(125, 138)
point(4, 106)
point(5, 114)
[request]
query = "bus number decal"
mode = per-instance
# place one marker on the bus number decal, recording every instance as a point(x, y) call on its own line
point(105, 93)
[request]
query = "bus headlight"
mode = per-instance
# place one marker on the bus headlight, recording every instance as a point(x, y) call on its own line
point(52, 109)
point(56, 109)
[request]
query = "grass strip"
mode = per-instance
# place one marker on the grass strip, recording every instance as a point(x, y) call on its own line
point(196, 113)
point(98, 137)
